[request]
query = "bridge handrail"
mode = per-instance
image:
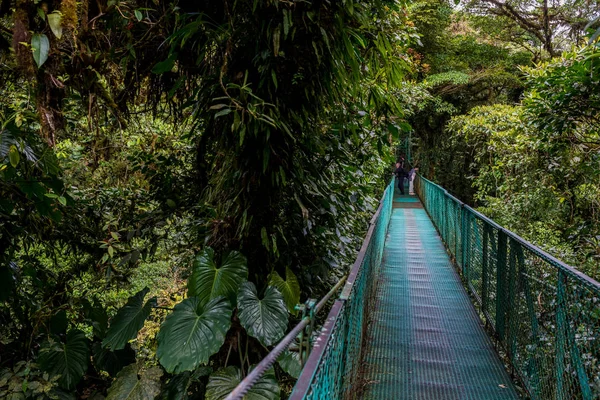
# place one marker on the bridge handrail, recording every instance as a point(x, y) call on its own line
point(548, 326)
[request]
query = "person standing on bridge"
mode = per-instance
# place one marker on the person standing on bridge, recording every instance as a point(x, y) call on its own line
point(412, 174)
point(400, 174)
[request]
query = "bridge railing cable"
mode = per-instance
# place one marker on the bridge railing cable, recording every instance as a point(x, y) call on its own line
point(544, 314)
point(332, 364)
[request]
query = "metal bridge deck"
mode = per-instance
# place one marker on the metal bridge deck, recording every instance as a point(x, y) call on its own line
point(425, 339)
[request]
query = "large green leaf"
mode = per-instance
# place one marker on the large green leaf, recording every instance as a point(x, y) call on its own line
point(41, 47)
point(132, 384)
point(289, 288)
point(289, 361)
point(222, 382)
point(128, 321)
point(265, 319)
point(209, 281)
point(192, 333)
point(69, 359)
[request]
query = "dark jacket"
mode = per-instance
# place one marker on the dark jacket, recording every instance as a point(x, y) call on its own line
point(400, 173)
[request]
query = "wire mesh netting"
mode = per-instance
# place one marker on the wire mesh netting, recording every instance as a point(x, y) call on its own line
point(544, 314)
point(338, 349)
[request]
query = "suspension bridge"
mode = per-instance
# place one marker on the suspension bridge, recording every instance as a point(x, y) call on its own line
point(443, 303)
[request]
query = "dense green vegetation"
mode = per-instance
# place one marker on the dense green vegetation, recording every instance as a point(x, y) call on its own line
point(516, 139)
point(176, 176)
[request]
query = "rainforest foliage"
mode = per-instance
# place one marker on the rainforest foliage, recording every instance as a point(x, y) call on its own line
point(175, 177)
point(512, 124)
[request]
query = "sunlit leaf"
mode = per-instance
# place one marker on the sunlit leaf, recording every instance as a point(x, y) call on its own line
point(289, 288)
point(13, 156)
point(54, 20)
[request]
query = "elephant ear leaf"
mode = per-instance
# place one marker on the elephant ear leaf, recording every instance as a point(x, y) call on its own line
point(265, 319)
point(222, 382)
point(208, 281)
point(133, 384)
point(192, 333)
point(289, 288)
point(128, 321)
point(68, 360)
point(289, 361)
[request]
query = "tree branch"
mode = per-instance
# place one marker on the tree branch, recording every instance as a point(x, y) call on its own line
point(509, 11)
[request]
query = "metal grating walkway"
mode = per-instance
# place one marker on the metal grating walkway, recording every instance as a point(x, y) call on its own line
point(425, 340)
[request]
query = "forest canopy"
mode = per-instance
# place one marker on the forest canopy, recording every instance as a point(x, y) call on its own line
point(173, 169)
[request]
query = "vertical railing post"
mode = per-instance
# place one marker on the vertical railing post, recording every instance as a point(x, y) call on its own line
point(485, 269)
point(512, 298)
point(501, 285)
point(459, 245)
point(561, 337)
point(457, 231)
point(445, 208)
point(307, 309)
point(463, 224)
point(467, 266)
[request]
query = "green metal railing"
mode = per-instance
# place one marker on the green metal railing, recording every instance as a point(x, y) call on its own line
point(332, 369)
point(545, 315)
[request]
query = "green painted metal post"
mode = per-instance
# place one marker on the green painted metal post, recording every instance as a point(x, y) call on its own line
point(501, 285)
point(534, 383)
point(465, 235)
point(485, 269)
point(467, 266)
point(446, 227)
point(458, 245)
point(584, 381)
point(512, 311)
point(561, 336)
